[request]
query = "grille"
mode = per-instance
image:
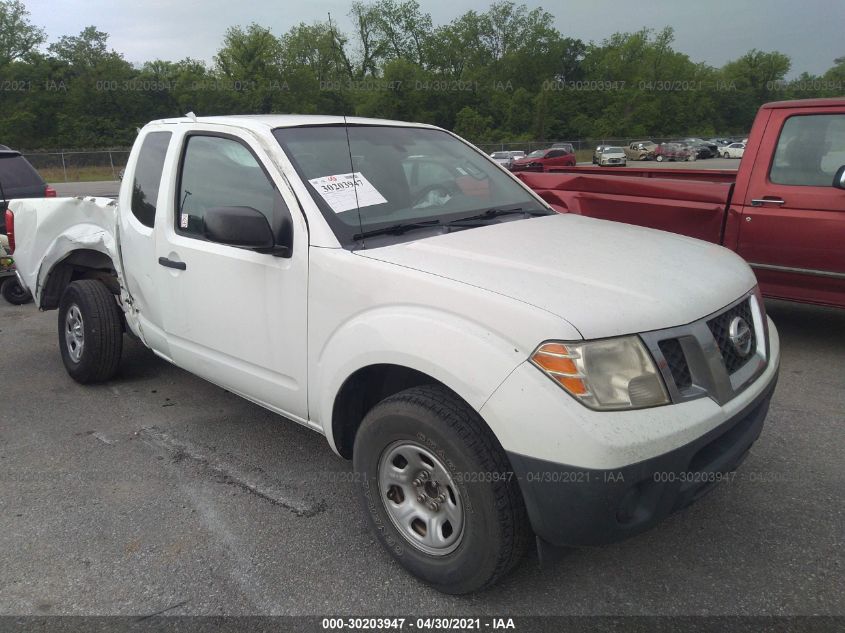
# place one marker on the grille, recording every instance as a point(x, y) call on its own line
point(719, 327)
point(674, 355)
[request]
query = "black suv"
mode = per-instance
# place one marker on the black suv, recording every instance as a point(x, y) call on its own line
point(18, 179)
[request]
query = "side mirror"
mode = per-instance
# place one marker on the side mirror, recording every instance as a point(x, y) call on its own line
point(839, 178)
point(241, 226)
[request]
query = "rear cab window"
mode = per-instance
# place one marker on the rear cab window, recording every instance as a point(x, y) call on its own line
point(147, 178)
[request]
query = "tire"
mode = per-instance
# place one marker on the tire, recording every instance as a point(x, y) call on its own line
point(14, 293)
point(430, 430)
point(659, 159)
point(90, 331)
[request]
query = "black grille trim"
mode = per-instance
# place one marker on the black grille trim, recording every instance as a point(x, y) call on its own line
point(677, 362)
point(719, 327)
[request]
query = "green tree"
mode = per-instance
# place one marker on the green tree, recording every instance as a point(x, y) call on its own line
point(473, 126)
point(249, 67)
point(18, 36)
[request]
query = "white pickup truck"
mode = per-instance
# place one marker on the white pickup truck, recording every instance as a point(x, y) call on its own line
point(495, 371)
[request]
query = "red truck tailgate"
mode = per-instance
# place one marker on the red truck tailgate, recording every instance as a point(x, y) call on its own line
point(690, 207)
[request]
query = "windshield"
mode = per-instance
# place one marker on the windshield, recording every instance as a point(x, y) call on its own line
point(500, 155)
point(537, 153)
point(613, 150)
point(400, 175)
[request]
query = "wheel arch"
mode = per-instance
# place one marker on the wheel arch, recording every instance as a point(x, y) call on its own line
point(362, 390)
point(80, 263)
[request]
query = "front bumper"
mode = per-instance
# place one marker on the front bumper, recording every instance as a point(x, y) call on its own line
point(572, 506)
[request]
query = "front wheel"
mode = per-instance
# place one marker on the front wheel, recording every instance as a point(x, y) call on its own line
point(438, 490)
point(90, 331)
point(659, 159)
point(14, 293)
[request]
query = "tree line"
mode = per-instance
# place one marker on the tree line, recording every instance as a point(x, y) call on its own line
point(502, 75)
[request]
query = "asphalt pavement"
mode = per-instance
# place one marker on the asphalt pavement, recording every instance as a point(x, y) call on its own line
point(161, 491)
point(104, 188)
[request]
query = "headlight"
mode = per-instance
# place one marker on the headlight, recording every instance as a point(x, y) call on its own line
point(615, 373)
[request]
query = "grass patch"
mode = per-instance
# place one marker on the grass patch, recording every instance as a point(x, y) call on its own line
point(79, 174)
point(584, 155)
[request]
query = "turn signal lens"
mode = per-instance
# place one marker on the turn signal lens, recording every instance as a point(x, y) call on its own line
point(607, 374)
point(556, 360)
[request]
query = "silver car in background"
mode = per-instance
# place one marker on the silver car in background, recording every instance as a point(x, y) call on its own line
point(612, 156)
point(506, 158)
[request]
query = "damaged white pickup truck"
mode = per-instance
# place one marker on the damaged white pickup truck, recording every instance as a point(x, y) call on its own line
point(495, 370)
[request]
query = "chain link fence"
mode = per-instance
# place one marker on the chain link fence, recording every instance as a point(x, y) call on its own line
point(79, 165)
point(108, 164)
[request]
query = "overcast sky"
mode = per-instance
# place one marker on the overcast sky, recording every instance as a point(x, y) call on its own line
point(811, 32)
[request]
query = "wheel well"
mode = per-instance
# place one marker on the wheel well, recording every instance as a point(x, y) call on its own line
point(362, 391)
point(79, 264)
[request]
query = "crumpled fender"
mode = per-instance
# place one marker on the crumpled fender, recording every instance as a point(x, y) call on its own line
point(48, 230)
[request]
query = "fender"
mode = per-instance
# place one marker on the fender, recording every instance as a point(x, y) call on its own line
point(73, 223)
point(415, 337)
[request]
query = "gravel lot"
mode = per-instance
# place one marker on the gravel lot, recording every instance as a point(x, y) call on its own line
point(161, 491)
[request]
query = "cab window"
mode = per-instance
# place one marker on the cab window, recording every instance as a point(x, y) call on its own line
point(809, 151)
point(147, 178)
point(221, 172)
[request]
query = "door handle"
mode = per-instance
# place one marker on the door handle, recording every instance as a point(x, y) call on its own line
point(169, 263)
point(756, 202)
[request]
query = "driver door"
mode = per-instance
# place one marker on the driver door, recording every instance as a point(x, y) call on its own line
point(793, 220)
point(234, 316)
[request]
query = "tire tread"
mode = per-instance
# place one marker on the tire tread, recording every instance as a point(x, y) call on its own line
point(474, 432)
point(98, 304)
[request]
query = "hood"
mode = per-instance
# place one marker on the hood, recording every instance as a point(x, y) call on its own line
point(605, 278)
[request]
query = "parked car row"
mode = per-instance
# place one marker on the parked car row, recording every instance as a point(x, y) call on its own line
point(690, 148)
point(563, 154)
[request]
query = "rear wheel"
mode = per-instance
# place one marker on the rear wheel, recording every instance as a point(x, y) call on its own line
point(90, 331)
point(14, 293)
point(438, 490)
point(659, 158)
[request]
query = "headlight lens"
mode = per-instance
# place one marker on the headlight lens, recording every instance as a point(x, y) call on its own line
point(616, 373)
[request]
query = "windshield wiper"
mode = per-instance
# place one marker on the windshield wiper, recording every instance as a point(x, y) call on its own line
point(396, 229)
point(490, 214)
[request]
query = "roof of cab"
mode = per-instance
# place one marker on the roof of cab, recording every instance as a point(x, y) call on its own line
point(804, 103)
point(264, 122)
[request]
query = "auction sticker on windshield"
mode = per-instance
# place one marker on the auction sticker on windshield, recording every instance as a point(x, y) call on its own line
point(343, 192)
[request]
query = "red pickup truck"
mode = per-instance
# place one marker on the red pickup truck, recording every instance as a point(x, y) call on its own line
point(783, 210)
